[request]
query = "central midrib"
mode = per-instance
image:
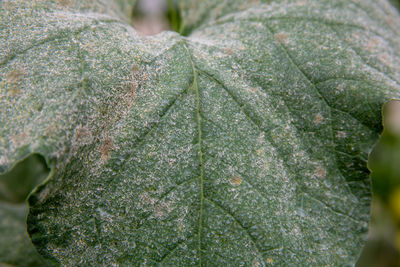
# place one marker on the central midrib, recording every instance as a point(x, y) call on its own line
point(195, 87)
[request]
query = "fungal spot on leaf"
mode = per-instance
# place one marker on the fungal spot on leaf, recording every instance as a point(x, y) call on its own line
point(320, 172)
point(256, 263)
point(301, 2)
point(64, 3)
point(340, 89)
point(159, 211)
point(135, 69)
point(82, 135)
point(386, 60)
point(15, 76)
point(281, 37)
point(253, 89)
point(106, 147)
point(235, 181)
point(372, 44)
point(392, 22)
point(341, 134)
point(14, 91)
point(19, 139)
point(318, 119)
point(228, 51)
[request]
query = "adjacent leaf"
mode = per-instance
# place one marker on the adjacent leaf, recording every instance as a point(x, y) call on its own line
point(15, 245)
point(16, 248)
point(16, 185)
point(243, 144)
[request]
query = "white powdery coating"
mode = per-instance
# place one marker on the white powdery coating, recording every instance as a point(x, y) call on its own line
point(244, 143)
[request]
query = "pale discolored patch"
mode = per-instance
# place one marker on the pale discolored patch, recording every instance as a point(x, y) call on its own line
point(135, 69)
point(15, 76)
point(392, 22)
point(386, 60)
point(320, 172)
point(318, 119)
point(64, 3)
point(235, 181)
point(372, 44)
point(159, 211)
point(301, 2)
point(106, 147)
point(341, 134)
point(256, 263)
point(281, 38)
point(228, 51)
point(253, 89)
point(270, 261)
point(340, 88)
point(82, 135)
point(19, 139)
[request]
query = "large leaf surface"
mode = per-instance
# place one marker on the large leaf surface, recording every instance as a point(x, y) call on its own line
point(243, 144)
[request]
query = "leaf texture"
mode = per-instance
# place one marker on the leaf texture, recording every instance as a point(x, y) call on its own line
point(245, 143)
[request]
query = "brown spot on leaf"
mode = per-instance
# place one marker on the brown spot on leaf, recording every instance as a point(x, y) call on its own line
point(15, 76)
point(9, 5)
point(90, 46)
point(235, 181)
point(392, 22)
point(372, 44)
point(64, 3)
point(51, 130)
point(385, 59)
point(253, 89)
point(159, 211)
point(82, 135)
point(318, 119)
point(132, 88)
point(228, 51)
point(301, 2)
point(14, 91)
point(20, 138)
point(255, 263)
point(340, 88)
point(135, 68)
point(281, 38)
point(106, 147)
point(320, 172)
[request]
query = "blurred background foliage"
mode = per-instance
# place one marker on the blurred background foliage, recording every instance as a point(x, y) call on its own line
point(383, 247)
point(151, 17)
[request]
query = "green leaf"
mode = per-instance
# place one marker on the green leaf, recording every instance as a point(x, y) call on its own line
point(15, 245)
point(245, 143)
